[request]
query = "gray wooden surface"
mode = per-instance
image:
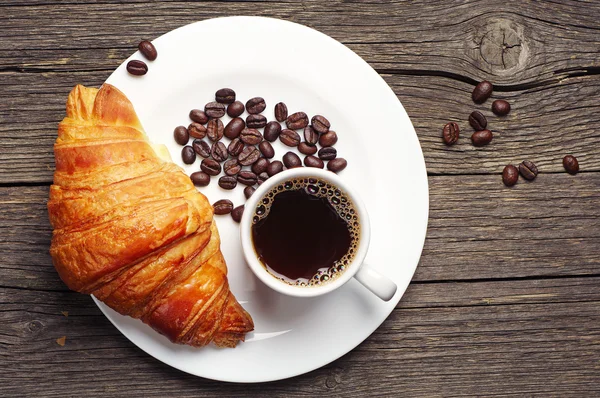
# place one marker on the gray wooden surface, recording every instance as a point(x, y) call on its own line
point(506, 299)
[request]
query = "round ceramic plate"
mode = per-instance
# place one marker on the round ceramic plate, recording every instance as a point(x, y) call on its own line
point(313, 73)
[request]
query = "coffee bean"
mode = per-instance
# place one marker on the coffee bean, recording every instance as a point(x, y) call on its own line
point(311, 137)
point(313, 161)
point(272, 131)
point(477, 121)
point(250, 136)
point(137, 68)
point(247, 178)
point(571, 164)
point(482, 92)
point(266, 149)
point(262, 177)
point(289, 137)
point(228, 182)
point(197, 130)
point(320, 124)
point(256, 121)
point(306, 149)
point(231, 167)
point(450, 133)
point(481, 138)
point(234, 128)
point(510, 175)
point(235, 147)
point(528, 170)
point(235, 109)
point(214, 109)
point(215, 129)
point(260, 166)
point(248, 156)
point(181, 135)
point(255, 105)
point(223, 206)
point(281, 112)
point(297, 121)
point(219, 152)
point(337, 165)
point(210, 167)
point(198, 116)
point(200, 178)
point(201, 147)
point(274, 167)
point(248, 191)
point(500, 107)
point(225, 96)
point(328, 139)
point(188, 155)
point(237, 213)
point(327, 153)
point(291, 160)
point(148, 50)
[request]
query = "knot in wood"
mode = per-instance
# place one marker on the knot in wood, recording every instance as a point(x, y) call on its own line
point(35, 327)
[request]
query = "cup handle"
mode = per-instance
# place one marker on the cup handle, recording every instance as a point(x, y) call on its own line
point(378, 284)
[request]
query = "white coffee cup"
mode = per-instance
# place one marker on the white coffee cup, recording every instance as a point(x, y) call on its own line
point(380, 285)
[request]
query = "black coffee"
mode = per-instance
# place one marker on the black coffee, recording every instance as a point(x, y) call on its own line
point(305, 231)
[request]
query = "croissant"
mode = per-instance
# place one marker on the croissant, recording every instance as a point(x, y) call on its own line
point(131, 228)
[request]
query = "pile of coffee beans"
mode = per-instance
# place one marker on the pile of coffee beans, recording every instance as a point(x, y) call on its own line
point(137, 67)
point(243, 153)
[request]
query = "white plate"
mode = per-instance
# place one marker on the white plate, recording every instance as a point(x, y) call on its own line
point(309, 71)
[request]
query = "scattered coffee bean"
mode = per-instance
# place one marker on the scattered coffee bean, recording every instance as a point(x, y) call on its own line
point(320, 124)
point(528, 170)
point(197, 130)
point(510, 175)
point(137, 68)
point(223, 206)
point(274, 167)
point(450, 133)
point(237, 213)
point(250, 136)
point(272, 130)
point(235, 147)
point(306, 149)
point(337, 165)
point(198, 116)
point(481, 138)
point(262, 177)
point(215, 129)
point(210, 167)
point(231, 167)
point(289, 137)
point(247, 178)
point(328, 139)
point(327, 153)
point(482, 92)
point(248, 191)
point(200, 178)
point(311, 137)
point(219, 152)
point(297, 121)
point(234, 128)
point(235, 109)
point(255, 105)
point(148, 50)
point(181, 135)
point(266, 149)
point(571, 164)
point(500, 107)
point(248, 156)
point(225, 96)
point(214, 109)
point(188, 155)
point(260, 166)
point(313, 161)
point(201, 147)
point(281, 112)
point(291, 160)
point(477, 120)
point(228, 182)
point(256, 121)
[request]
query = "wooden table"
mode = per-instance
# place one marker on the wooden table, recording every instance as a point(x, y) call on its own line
point(506, 299)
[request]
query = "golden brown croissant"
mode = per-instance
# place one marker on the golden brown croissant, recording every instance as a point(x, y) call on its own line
point(130, 227)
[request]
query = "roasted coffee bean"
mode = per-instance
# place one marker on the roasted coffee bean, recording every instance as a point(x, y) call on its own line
point(274, 167)
point(247, 177)
point(219, 152)
point(225, 96)
point(311, 137)
point(306, 149)
point(223, 206)
point(571, 164)
point(137, 68)
point(328, 139)
point(289, 137)
point(313, 161)
point(232, 167)
point(272, 130)
point(228, 182)
point(214, 109)
point(320, 124)
point(297, 121)
point(337, 165)
point(215, 129)
point(201, 147)
point(188, 155)
point(235, 147)
point(528, 170)
point(200, 178)
point(181, 135)
point(500, 107)
point(198, 116)
point(262, 177)
point(256, 121)
point(291, 160)
point(250, 136)
point(234, 128)
point(450, 133)
point(260, 166)
point(510, 175)
point(248, 191)
point(235, 109)
point(197, 130)
point(477, 121)
point(255, 105)
point(266, 149)
point(281, 112)
point(481, 138)
point(248, 156)
point(237, 213)
point(148, 50)
point(327, 153)
point(482, 92)
point(210, 167)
